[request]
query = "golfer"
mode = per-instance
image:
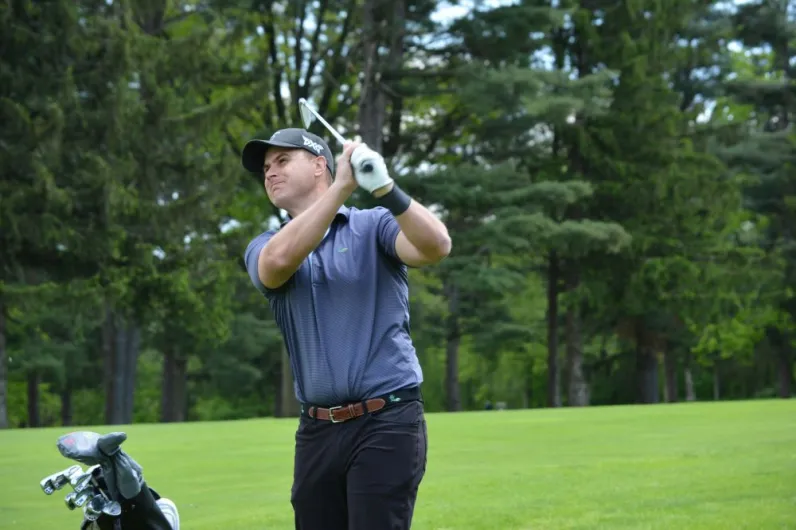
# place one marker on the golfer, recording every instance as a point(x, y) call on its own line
point(336, 281)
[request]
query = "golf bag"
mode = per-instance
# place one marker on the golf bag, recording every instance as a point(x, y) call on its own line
point(112, 492)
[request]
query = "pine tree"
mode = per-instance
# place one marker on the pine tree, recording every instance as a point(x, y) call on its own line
point(58, 106)
point(767, 150)
point(651, 173)
point(510, 181)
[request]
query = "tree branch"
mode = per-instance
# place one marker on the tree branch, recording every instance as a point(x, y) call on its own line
point(314, 55)
point(298, 53)
point(275, 66)
point(338, 65)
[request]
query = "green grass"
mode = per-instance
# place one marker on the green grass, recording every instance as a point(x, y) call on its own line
point(688, 466)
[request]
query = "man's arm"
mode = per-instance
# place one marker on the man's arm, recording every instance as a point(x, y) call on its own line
point(423, 239)
point(281, 257)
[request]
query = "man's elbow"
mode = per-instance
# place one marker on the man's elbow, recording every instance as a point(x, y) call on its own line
point(441, 250)
point(273, 270)
point(446, 245)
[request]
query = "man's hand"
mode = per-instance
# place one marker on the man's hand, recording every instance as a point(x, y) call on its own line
point(370, 169)
point(344, 175)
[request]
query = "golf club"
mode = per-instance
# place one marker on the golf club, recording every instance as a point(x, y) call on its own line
point(99, 505)
point(69, 500)
point(309, 114)
point(56, 481)
point(82, 498)
point(81, 482)
point(94, 508)
point(112, 508)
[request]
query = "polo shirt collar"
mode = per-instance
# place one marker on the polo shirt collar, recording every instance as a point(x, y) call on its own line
point(343, 211)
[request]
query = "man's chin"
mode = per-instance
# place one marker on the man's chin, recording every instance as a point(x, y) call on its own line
point(277, 198)
point(280, 200)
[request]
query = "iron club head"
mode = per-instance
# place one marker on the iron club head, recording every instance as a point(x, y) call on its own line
point(81, 481)
point(93, 508)
point(56, 481)
point(96, 506)
point(82, 498)
point(69, 500)
point(309, 114)
point(99, 505)
point(112, 508)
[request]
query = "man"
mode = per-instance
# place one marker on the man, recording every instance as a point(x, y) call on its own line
point(336, 280)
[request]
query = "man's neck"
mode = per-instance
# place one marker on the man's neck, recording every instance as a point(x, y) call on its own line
point(306, 203)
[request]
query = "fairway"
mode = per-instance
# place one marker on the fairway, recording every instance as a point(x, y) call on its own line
point(721, 466)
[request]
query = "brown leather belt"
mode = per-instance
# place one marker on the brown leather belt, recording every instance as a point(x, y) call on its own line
point(346, 412)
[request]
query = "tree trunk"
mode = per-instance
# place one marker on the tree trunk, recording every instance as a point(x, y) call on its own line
point(716, 382)
point(3, 367)
point(553, 373)
point(395, 61)
point(119, 348)
point(121, 341)
point(174, 395)
point(527, 395)
point(290, 405)
point(109, 365)
point(578, 387)
point(66, 404)
point(690, 391)
point(453, 338)
point(670, 389)
point(371, 102)
point(34, 420)
point(646, 367)
point(785, 370)
point(132, 343)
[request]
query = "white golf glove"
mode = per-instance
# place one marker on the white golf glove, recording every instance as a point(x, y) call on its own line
point(369, 168)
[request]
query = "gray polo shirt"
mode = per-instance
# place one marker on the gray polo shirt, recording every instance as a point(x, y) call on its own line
point(344, 314)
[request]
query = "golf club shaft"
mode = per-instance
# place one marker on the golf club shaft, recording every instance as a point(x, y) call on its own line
point(331, 129)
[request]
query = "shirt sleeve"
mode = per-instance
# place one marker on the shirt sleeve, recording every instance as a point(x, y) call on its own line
point(252, 255)
point(387, 230)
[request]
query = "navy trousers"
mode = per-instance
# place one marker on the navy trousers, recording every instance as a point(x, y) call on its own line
point(362, 474)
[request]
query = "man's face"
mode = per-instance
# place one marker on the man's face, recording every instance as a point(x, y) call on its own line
point(290, 175)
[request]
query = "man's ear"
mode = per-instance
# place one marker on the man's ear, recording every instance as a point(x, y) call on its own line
point(320, 166)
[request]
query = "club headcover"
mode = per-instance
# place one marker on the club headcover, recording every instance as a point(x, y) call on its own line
point(122, 474)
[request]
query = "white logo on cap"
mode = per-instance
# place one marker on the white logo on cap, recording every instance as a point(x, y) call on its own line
point(318, 148)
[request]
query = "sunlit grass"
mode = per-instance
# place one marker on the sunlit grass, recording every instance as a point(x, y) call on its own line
point(699, 466)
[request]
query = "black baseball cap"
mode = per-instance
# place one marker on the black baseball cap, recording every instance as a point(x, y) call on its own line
point(254, 150)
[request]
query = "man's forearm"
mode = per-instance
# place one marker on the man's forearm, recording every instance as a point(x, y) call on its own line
point(288, 248)
point(425, 231)
point(421, 228)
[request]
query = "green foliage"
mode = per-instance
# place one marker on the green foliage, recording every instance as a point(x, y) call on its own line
point(627, 143)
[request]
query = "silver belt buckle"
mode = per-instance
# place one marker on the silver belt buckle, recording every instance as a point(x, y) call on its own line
point(331, 414)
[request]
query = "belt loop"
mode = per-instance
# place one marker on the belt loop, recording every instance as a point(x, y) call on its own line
point(365, 411)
